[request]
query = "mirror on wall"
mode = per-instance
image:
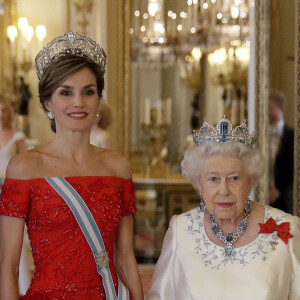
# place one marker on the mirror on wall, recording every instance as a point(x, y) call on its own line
point(272, 66)
point(189, 61)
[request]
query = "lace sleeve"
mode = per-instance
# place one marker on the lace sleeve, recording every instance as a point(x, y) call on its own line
point(14, 199)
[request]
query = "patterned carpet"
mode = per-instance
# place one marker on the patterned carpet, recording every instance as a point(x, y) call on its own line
point(146, 272)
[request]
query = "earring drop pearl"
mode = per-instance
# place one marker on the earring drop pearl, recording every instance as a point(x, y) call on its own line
point(50, 115)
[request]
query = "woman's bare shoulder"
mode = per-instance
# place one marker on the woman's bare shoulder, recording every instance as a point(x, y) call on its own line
point(116, 163)
point(24, 164)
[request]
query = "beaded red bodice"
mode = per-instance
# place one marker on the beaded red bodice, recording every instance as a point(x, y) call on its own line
point(65, 267)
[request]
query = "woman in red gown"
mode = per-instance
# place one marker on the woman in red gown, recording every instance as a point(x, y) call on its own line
point(71, 71)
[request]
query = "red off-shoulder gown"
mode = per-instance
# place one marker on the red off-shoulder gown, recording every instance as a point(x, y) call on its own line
point(64, 264)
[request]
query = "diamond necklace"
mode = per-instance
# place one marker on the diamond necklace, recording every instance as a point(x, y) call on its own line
point(230, 238)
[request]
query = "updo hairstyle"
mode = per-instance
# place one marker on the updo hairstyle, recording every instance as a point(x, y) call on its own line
point(194, 159)
point(59, 71)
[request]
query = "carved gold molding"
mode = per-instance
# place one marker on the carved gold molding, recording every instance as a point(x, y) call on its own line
point(2, 49)
point(118, 72)
point(127, 76)
point(124, 103)
point(262, 82)
point(297, 114)
point(8, 84)
point(68, 16)
point(83, 9)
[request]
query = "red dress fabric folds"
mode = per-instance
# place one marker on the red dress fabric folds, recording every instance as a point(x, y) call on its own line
point(65, 267)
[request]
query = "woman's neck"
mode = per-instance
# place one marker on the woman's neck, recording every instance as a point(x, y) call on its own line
point(74, 146)
point(227, 225)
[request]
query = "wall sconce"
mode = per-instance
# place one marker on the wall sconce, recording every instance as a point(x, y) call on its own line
point(12, 33)
point(21, 45)
point(27, 33)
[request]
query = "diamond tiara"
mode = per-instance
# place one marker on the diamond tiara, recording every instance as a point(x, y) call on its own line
point(223, 133)
point(70, 43)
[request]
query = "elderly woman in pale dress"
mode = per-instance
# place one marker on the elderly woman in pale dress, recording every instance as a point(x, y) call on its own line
point(229, 247)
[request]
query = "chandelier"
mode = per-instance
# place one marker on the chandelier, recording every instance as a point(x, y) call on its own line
point(209, 36)
point(182, 34)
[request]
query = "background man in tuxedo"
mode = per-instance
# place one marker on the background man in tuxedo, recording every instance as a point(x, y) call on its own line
point(281, 162)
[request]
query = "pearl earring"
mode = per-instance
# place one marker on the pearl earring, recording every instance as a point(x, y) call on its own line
point(50, 115)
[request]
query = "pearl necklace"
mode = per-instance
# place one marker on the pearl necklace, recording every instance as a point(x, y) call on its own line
point(230, 238)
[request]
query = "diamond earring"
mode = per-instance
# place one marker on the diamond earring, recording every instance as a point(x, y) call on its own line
point(98, 115)
point(202, 204)
point(50, 115)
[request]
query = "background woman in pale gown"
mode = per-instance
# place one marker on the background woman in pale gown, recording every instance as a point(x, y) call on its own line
point(100, 136)
point(13, 142)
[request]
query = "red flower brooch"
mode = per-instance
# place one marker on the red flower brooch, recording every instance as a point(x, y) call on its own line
point(282, 231)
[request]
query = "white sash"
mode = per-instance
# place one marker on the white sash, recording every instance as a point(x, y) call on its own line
point(92, 234)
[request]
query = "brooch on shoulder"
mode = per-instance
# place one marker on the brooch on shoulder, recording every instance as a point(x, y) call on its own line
point(281, 231)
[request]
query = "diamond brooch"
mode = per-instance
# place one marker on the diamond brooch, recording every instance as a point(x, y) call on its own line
point(101, 259)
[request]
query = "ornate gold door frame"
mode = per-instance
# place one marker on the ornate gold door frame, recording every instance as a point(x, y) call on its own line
point(262, 83)
point(297, 114)
point(125, 87)
point(118, 72)
point(8, 18)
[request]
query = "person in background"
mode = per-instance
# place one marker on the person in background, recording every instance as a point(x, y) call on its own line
point(11, 143)
point(229, 247)
point(281, 163)
point(100, 136)
point(76, 199)
point(25, 97)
